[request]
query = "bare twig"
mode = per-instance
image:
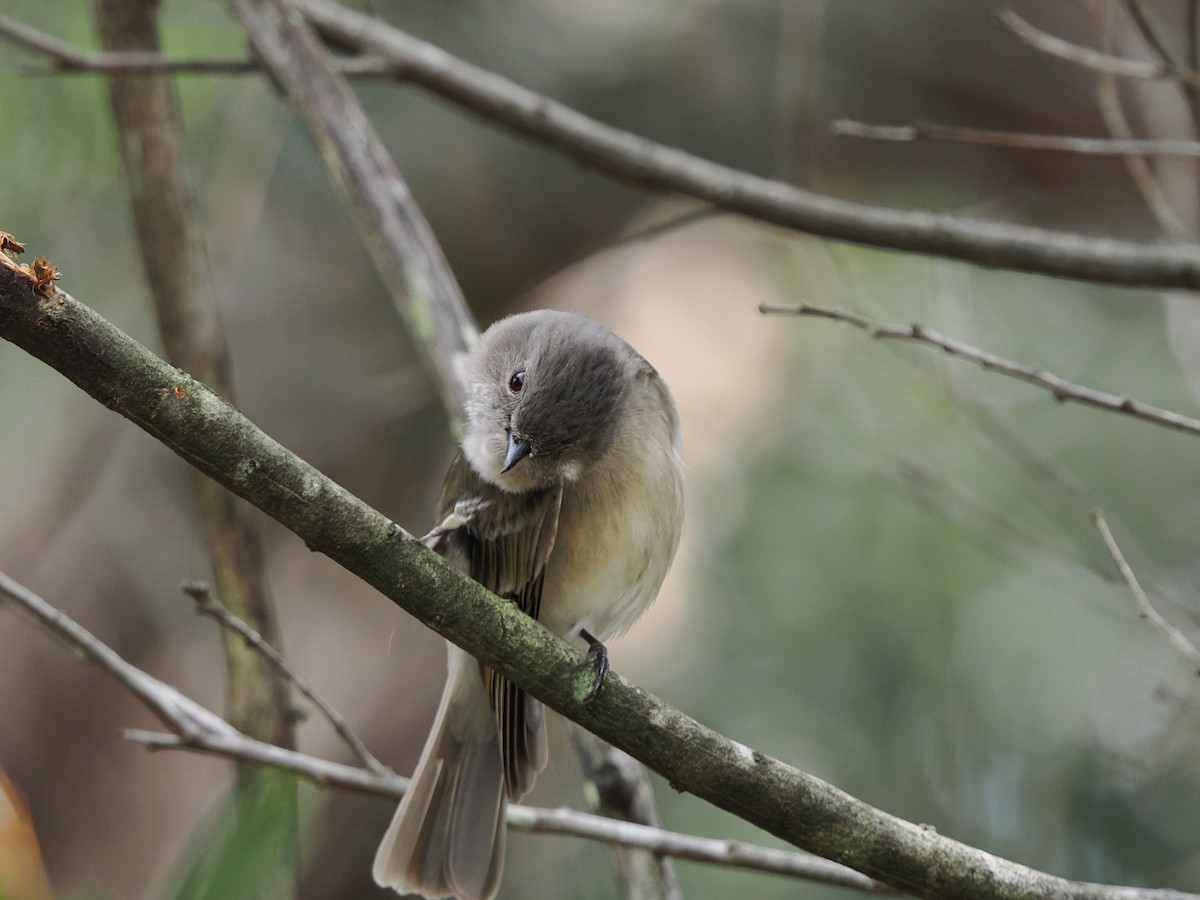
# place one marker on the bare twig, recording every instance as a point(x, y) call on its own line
point(1146, 609)
point(66, 59)
point(402, 244)
point(1149, 33)
point(1108, 100)
point(196, 729)
point(1092, 59)
point(1158, 46)
point(185, 717)
point(28, 36)
point(134, 63)
point(237, 746)
point(644, 163)
point(536, 820)
point(1062, 389)
point(1087, 146)
point(208, 605)
point(138, 63)
point(685, 846)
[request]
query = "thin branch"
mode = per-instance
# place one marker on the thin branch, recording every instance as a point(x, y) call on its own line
point(397, 235)
point(1146, 609)
point(188, 418)
point(1062, 389)
point(1087, 146)
point(644, 163)
point(1158, 46)
point(198, 730)
point(66, 59)
point(1092, 59)
point(186, 718)
point(533, 819)
point(634, 160)
point(237, 746)
point(660, 842)
point(1149, 33)
point(208, 605)
point(28, 36)
point(1144, 178)
point(137, 63)
point(143, 63)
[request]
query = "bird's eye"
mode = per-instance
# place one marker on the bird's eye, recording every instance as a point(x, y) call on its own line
point(517, 381)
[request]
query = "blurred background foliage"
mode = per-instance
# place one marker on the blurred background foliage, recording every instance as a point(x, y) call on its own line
point(890, 577)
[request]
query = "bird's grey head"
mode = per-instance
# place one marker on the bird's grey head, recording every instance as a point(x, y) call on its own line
point(547, 392)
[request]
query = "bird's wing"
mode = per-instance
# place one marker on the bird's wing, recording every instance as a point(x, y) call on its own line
point(503, 541)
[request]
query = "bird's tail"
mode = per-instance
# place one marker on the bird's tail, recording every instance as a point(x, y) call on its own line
point(447, 837)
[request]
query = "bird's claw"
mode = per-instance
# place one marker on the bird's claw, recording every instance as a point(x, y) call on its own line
point(596, 660)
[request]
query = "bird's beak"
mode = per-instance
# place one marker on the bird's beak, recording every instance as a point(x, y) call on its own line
point(518, 449)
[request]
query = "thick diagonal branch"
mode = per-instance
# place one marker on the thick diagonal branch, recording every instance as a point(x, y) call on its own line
point(221, 442)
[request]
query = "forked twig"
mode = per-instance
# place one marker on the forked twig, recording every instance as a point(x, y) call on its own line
point(1062, 389)
point(1096, 60)
point(1146, 609)
point(208, 605)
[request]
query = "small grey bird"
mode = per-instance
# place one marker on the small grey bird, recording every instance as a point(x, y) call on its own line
point(567, 498)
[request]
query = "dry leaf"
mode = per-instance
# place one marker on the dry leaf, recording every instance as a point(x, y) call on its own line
point(10, 244)
point(44, 273)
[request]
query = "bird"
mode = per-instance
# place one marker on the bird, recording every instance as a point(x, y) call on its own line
point(566, 498)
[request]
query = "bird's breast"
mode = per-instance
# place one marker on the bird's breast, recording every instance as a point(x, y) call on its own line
point(618, 530)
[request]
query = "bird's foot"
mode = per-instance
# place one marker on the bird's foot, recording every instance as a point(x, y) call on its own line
point(597, 661)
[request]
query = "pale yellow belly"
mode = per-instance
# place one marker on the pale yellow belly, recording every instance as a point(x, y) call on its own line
point(611, 557)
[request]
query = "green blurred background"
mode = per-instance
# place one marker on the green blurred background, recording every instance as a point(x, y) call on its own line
point(890, 577)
